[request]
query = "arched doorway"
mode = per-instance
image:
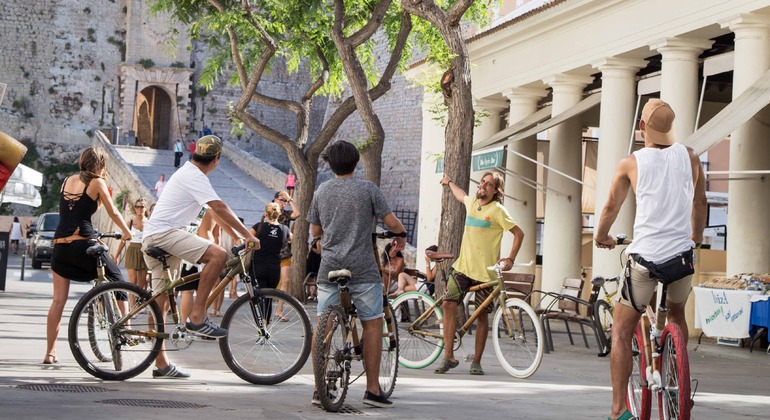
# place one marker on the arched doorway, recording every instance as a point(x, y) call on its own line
point(153, 118)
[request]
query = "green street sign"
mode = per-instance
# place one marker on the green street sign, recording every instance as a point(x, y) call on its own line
point(439, 165)
point(488, 160)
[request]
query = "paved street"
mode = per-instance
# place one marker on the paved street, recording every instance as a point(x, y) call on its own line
point(571, 383)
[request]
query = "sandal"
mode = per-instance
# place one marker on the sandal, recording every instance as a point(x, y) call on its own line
point(625, 416)
point(446, 365)
point(476, 369)
point(50, 359)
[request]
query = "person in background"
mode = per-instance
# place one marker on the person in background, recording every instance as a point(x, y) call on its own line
point(178, 152)
point(159, 186)
point(15, 235)
point(291, 182)
point(312, 265)
point(394, 279)
point(80, 198)
point(191, 149)
point(266, 261)
point(287, 216)
point(134, 260)
point(430, 271)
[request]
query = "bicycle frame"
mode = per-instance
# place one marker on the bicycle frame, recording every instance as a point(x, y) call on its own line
point(496, 294)
point(235, 266)
point(652, 330)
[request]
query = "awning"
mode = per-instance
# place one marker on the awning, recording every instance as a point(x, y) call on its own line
point(21, 185)
point(539, 116)
point(576, 110)
point(740, 110)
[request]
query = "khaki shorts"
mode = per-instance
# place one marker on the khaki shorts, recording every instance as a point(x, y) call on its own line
point(180, 244)
point(644, 287)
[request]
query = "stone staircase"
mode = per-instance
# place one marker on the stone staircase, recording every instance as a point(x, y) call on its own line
point(246, 196)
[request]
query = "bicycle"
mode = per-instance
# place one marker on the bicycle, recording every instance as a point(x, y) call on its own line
point(517, 334)
point(256, 349)
point(602, 311)
point(338, 343)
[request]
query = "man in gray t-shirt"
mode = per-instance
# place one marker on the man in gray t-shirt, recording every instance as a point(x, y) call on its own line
point(342, 213)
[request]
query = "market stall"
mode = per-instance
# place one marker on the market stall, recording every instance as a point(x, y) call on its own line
point(723, 307)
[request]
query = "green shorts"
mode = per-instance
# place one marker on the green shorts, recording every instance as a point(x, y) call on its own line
point(458, 285)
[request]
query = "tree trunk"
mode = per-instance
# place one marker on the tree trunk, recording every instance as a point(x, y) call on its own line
point(303, 195)
point(372, 160)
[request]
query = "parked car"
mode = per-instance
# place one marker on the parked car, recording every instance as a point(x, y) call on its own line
point(40, 243)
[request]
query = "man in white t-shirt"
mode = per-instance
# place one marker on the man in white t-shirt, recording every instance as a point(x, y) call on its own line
point(184, 195)
point(178, 152)
point(159, 185)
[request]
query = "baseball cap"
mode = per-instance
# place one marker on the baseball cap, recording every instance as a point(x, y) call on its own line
point(209, 145)
point(658, 120)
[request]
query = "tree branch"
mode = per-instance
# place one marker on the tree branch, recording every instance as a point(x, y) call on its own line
point(263, 130)
point(456, 12)
point(371, 26)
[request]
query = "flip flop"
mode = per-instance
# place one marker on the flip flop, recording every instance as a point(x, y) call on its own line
point(476, 369)
point(282, 318)
point(446, 365)
point(52, 361)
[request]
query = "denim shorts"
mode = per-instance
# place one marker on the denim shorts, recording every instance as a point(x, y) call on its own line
point(366, 296)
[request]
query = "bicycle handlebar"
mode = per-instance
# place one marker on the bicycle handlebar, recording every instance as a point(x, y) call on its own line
point(599, 280)
point(114, 235)
point(499, 267)
point(388, 234)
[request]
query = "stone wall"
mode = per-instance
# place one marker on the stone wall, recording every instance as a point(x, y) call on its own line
point(59, 66)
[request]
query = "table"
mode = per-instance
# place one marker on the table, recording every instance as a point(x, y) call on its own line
point(723, 313)
point(760, 318)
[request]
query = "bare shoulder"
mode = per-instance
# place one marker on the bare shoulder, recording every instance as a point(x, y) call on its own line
point(627, 163)
point(693, 155)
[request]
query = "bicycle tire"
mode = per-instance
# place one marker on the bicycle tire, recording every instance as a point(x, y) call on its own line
point(603, 320)
point(520, 354)
point(252, 356)
point(97, 321)
point(332, 358)
point(389, 359)
point(111, 311)
point(136, 352)
point(674, 399)
point(416, 351)
point(638, 395)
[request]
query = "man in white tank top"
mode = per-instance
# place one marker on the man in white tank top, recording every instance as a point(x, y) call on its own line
point(670, 188)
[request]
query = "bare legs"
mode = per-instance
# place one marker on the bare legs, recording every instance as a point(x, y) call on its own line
point(61, 289)
point(406, 283)
point(285, 273)
point(621, 364)
point(450, 325)
point(482, 329)
point(214, 258)
point(372, 337)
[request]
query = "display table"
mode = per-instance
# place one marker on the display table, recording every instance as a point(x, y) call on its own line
point(723, 313)
point(760, 318)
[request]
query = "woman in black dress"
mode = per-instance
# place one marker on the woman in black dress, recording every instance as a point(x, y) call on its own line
point(266, 261)
point(80, 197)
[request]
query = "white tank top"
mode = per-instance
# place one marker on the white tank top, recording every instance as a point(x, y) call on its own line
point(664, 194)
point(136, 235)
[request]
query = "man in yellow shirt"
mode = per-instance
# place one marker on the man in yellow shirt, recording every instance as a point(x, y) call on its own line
point(485, 221)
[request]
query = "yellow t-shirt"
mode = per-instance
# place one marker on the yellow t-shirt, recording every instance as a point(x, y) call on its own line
point(481, 238)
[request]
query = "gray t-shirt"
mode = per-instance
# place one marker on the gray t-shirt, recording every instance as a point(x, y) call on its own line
point(345, 208)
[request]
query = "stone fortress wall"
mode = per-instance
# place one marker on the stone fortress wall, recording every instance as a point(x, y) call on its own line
point(62, 61)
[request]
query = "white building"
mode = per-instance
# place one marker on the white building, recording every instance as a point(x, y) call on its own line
point(579, 71)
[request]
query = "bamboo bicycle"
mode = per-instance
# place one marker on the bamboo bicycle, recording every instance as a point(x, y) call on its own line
point(517, 335)
point(602, 311)
point(338, 343)
point(258, 348)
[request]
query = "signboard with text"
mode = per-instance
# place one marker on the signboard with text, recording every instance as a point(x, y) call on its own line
point(480, 162)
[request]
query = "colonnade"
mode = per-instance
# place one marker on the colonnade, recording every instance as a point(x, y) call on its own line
point(749, 201)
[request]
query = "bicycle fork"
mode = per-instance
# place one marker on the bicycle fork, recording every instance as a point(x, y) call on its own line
point(654, 380)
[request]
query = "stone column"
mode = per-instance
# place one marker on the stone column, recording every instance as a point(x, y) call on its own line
point(615, 123)
point(563, 219)
point(748, 247)
point(679, 79)
point(523, 103)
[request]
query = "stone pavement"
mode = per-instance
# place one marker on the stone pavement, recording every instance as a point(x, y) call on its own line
point(240, 191)
point(572, 383)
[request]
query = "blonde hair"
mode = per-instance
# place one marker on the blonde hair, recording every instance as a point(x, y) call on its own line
point(272, 211)
point(92, 161)
point(141, 200)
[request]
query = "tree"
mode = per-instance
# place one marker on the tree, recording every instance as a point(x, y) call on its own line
point(456, 88)
point(333, 41)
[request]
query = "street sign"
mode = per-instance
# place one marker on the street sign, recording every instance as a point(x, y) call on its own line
point(480, 161)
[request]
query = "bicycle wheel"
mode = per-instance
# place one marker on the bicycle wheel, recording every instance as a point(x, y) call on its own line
point(97, 327)
point(131, 353)
point(521, 351)
point(674, 399)
point(638, 396)
point(269, 355)
point(417, 350)
point(603, 320)
point(389, 359)
point(332, 358)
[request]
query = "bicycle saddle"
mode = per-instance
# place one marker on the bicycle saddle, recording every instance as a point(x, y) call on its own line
point(156, 252)
point(338, 275)
point(96, 250)
point(438, 256)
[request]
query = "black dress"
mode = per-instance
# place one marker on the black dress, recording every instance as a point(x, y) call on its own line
point(266, 261)
point(70, 260)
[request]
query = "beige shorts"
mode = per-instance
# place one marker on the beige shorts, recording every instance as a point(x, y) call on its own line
point(180, 244)
point(644, 287)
